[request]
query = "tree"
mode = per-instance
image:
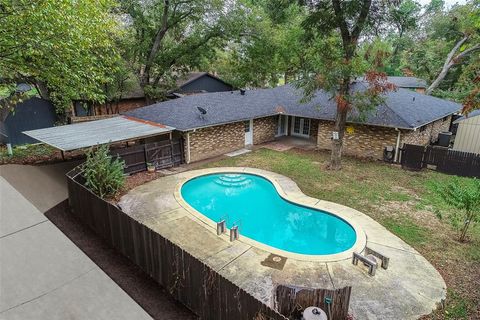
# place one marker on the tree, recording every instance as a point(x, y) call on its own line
point(64, 48)
point(170, 37)
point(268, 50)
point(335, 29)
point(463, 195)
point(403, 18)
point(465, 27)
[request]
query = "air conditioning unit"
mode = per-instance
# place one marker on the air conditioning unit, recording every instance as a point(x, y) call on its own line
point(389, 154)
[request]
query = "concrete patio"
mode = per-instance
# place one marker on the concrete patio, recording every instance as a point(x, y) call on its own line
point(408, 289)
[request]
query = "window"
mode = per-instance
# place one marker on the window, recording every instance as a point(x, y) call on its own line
point(247, 125)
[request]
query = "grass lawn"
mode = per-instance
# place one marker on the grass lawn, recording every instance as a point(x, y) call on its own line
point(403, 201)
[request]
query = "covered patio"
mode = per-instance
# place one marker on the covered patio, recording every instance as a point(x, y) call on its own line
point(285, 143)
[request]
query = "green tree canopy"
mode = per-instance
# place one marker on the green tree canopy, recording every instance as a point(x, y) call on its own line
point(65, 48)
point(170, 37)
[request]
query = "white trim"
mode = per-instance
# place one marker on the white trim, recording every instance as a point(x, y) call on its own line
point(188, 148)
point(302, 123)
point(249, 134)
point(280, 116)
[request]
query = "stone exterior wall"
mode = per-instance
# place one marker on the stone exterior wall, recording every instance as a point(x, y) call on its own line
point(370, 141)
point(429, 133)
point(314, 126)
point(264, 129)
point(364, 141)
point(214, 141)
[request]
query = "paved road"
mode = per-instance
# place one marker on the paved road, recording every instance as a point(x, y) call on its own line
point(43, 275)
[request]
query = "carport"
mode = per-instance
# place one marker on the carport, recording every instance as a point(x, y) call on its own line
point(106, 131)
point(161, 152)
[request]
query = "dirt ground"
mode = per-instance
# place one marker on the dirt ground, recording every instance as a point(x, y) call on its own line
point(144, 290)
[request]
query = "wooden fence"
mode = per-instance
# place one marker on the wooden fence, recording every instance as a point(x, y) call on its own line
point(291, 301)
point(189, 280)
point(445, 160)
point(163, 154)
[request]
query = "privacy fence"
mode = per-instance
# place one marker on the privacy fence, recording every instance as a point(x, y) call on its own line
point(290, 301)
point(162, 154)
point(442, 159)
point(187, 279)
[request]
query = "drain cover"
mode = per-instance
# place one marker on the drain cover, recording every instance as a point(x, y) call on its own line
point(274, 261)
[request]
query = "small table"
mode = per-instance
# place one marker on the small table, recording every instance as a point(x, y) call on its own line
point(314, 313)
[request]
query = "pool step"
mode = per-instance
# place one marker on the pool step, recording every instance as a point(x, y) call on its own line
point(232, 180)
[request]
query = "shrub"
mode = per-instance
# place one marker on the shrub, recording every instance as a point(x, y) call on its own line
point(103, 174)
point(464, 195)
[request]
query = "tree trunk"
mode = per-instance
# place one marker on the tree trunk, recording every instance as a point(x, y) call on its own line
point(449, 62)
point(337, 144)
point(465, 227)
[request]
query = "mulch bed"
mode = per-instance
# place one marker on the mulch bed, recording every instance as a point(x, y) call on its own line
point(138, 285)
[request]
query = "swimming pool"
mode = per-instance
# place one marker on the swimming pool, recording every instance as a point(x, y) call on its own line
point(253, 203)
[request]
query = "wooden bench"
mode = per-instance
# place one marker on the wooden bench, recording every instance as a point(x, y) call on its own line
point(370, 263)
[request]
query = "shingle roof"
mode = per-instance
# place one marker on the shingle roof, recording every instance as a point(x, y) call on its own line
point(192, 76)
point(403, 108)
point(407, 82)
point(474, 113)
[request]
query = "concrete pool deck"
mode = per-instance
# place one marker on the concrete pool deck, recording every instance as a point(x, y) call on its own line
point(409, 288)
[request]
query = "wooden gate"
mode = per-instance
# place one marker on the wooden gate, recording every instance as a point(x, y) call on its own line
point(412, 157)
point(291, 301)
point(163, 154)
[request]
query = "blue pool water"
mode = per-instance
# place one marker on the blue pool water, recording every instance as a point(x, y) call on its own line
point(252, 203)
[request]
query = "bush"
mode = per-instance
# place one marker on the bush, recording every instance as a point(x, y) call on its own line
point(103, 174)
point(465, 196)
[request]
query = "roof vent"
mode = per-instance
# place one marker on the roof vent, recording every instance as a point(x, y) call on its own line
point(242, 92)
point(413, 98)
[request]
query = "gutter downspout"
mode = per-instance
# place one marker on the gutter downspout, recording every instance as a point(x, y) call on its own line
point(188, 148)
point(397, 146)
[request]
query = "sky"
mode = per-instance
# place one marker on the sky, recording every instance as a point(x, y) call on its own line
point(449, 3)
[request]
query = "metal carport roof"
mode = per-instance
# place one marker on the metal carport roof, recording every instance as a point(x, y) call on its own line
point(92, 133)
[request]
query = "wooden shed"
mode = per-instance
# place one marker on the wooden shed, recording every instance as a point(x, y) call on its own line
point(468, 133)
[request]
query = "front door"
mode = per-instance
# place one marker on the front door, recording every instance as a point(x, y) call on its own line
point(248, 132)
point(282, 126)
point(301, 127)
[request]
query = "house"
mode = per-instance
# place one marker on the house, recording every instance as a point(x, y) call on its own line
point(467, 137)
point(34, 113)
point(216, 123)
point(410, 83)
point(133, 97)
point(199, 82)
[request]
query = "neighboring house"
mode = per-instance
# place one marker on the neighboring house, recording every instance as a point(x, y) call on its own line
point(239, 118)
point(34, 113)
point(134, 97)
point(411, 83)
point(199, 82)
point(131, 99)
point(468, 133)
